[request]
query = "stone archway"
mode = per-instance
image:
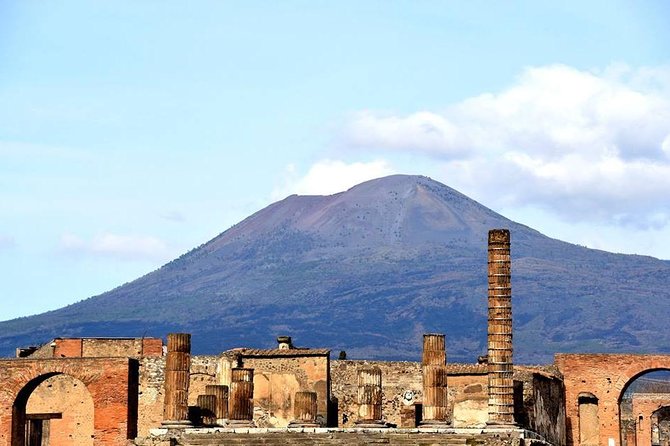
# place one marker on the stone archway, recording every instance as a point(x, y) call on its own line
point(111, 383)
point(606, 376)
point(57, 412)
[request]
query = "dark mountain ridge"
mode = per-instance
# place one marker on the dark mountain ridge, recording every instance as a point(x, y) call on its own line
point(369, 271)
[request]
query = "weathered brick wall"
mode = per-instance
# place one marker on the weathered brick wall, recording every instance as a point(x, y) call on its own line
point(605, 376)
point(67, 348)
point(106, 379)
point(99, 347)
point(134, 347)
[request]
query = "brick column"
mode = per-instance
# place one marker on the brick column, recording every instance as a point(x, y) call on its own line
point(241, 397)
point(177, 378)
point(500, 365)
point(304, 410)
point(370, 398)
point(435, 390)
point(221, 394)
point(207, 405)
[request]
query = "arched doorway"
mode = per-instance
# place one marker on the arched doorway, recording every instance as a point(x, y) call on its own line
point(589, 423)
point(644, 395)
point(53, 409)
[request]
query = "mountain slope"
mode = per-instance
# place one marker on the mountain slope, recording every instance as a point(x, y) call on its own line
point(368, 271)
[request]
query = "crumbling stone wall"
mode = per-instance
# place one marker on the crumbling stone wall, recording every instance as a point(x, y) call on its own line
point(203, 373)
point(402, 387)
point(606, 376)
point(278, 375)
point(151, 393)
point(546, 414)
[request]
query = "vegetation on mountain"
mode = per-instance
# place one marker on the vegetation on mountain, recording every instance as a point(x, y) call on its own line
point(369, 271)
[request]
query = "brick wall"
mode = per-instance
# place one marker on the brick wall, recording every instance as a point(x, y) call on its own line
point(68, 348)
point(99, 347)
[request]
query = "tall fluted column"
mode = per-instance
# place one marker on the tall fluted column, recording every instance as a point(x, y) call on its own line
point(241, 397)
point(304, 410)
point(177, 378)
point(435, 389)
point(500, 365)
point(221, 394)
point(370, 397)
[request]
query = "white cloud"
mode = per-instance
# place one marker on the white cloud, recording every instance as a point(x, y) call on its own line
point(588, 145)
point(330, 176)
point(174, 216)
point(122, 247)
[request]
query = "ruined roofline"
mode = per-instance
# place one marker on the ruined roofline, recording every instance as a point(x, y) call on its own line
point(275, 352)
point(104, 338)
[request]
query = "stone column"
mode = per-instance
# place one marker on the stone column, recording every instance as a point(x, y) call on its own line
point(221, 394)
point(500, 365)
point(304, 410)
point(241, 397)
point(370, 398)
point(435, 390)
point(223, 372)
point(177, 378)
point(207, 405)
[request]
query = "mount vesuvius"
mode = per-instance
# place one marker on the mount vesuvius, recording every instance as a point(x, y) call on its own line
point(369, 271)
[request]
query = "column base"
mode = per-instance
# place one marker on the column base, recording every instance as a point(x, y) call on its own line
point(240, 423)
point(434, 424)
point(497, 423)
point(298, 423)
point(372, 424)
point(176, 424)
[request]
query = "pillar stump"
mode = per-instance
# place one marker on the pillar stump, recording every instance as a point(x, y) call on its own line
point(304, 410)
point(221, 394)
point(435, 408)
point(177, 378)
point(370, 398)
point(207, 406)
point(500, 364)
point(241, 398)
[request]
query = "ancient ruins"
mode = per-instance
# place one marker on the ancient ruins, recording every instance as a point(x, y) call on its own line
point(138, 391)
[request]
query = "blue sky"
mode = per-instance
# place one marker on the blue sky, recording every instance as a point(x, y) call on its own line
point(131, 132)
